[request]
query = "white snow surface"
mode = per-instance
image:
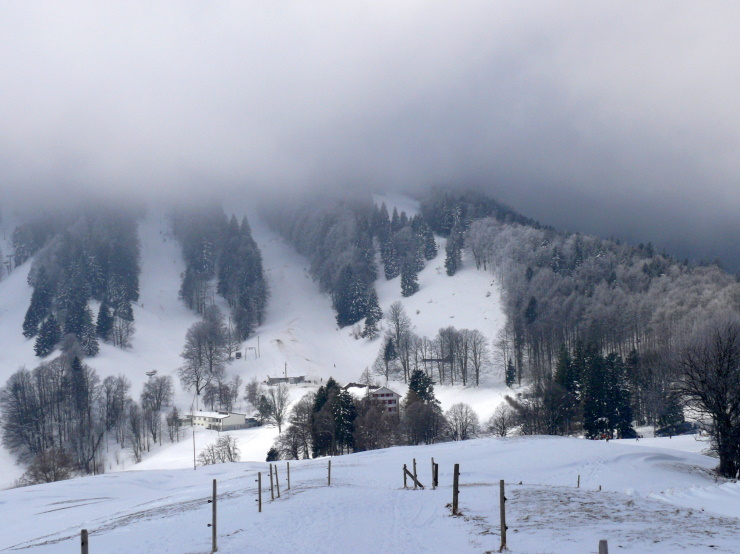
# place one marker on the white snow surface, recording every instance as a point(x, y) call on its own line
point(651, 500)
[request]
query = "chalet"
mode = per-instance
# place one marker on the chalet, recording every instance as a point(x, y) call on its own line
point(389, 399)
point(220, 421)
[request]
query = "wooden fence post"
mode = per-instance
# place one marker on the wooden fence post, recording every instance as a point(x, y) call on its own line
point(578, 484)
point(603, 547)
point(272, 489)
point(405, 471)
point(288, 475)
point(434, 485)
point(455, 490)
point(329, 479)
point(436, 475)
point(415, 480)
point(502, 503)
point(213, 525)
point(83, 541)
point(277, 482)
point(259, 492)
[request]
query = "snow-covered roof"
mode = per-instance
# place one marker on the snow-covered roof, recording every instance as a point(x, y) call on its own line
point(216, 415)
point(383, 390)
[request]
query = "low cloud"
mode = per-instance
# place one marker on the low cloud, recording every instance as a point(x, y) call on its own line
point(606, 117)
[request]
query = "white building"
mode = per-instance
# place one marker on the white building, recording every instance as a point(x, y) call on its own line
point(220, 421)
point(389, 399)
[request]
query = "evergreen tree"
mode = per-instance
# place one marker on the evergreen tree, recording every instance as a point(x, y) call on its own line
point(453, 251)
point(350, 300)
point(409, 279)
point(345, 412)
point(421, 385)
point(392, 263)
point(104, 323)
point(383, 229)
point(530, 313)
point(595, 394)
point(88, 335)
point(322, 419)
point(395, 221)
point(48, 337)
point(430, 245)
point(510, 373)
point(564, 374)
point(374, 315)
point(41, 300)
point(618, 401)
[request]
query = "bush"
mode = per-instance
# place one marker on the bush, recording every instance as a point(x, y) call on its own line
point(224, 450)
point(48, 466)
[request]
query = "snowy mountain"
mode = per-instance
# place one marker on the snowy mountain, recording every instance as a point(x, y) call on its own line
point(655, 495)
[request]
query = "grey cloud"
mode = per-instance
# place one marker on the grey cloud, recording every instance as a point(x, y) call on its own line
point(612, 117)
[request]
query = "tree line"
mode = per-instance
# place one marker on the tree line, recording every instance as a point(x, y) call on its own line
point(341, 237)
point(95, 258)
point(221, 249)
point(454, 356)
point(60, 417)
point(332, 421)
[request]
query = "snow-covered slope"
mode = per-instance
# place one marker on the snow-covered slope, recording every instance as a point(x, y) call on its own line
point(299, 335)
point(366, 509)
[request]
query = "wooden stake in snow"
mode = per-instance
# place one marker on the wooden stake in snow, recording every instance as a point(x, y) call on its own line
point(455, 490)
point(407, 473)
point(288, 475)
point(416, 481)
point(277, 482)
point(603, 547)
point(272, 485)
point(329, 479)
point(434, 485)
point(212, 525)
point(578, 484)
point(502, 503)
point(259, 492)
point(83, 541)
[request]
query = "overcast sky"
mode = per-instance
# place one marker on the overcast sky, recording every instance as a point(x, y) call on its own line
point(620, 118)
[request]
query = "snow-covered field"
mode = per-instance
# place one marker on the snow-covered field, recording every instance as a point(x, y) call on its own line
point(651, 500)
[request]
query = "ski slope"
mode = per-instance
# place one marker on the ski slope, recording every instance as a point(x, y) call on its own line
point(299, 335)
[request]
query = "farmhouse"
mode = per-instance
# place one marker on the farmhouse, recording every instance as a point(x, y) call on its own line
point(389, 399)
point(220, 421)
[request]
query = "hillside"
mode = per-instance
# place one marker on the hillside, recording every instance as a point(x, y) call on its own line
point(651, 500)
point(299, 330)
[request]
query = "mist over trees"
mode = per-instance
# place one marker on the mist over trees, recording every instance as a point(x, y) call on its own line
point(94, 258)
point(222, 250)
point(340, 238)
point(592, 324)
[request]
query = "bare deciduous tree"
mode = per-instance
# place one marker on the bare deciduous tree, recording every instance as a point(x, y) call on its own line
point(462, 422)
point(278, 398)
point(711, 384)
point(204, 354)
point(502, 421)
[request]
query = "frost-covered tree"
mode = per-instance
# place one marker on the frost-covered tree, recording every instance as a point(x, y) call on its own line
point(48, 337)
point(409, 279)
